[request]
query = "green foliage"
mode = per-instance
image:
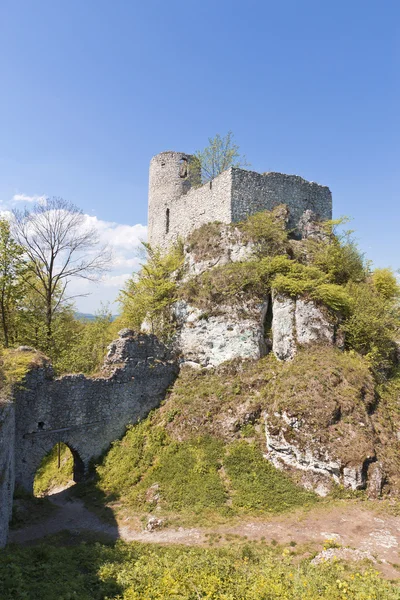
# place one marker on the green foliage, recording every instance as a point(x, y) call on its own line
point(148, 295)
point(12, 269)
point(49, 476)
point(136, 571)
point(220, 154)
point(333, 296)
point(87, 346)
point(257, 485)
point(267, 229)
point(337, 254)
point(187, 477)
point(385, 283)
point(372, 326)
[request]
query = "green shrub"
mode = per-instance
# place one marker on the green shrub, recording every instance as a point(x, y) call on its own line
point(333, 296)
point(337, 254)
point(267, 230)
point(385, 283)
point(373, 325)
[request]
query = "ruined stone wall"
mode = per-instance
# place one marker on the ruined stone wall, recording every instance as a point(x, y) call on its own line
point(7, 438)
point(87, 414)
point(176, 207)
point(253, 192)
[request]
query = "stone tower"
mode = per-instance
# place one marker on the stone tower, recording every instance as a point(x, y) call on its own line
point(169, 180)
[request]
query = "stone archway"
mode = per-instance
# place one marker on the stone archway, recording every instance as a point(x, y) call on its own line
point(58, 468)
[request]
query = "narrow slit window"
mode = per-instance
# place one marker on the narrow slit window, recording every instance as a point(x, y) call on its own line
point(167, 221)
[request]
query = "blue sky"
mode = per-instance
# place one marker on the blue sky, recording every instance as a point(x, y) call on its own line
point(90, 90)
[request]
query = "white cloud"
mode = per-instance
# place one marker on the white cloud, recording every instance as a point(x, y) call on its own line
point(26, 198)
point(115, 281)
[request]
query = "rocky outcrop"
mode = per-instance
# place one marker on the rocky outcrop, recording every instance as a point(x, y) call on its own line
point(283, 326)
point(219, 244)
point(292, 443)
point(319, 423)
point(204, 340)
point(298, 322)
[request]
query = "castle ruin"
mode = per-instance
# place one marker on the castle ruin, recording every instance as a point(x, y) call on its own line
point(177, 206)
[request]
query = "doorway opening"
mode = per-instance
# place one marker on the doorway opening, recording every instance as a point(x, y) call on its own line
point(60, 468)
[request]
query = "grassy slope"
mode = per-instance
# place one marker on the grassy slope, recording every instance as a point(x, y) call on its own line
point(138, 571)
point(199, 457)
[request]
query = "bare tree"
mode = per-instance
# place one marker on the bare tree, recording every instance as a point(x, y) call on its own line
point(59, 244)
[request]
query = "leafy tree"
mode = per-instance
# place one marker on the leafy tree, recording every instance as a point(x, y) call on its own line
point(220, 154)
point(149, 294)
point(59, 245)
point(86, 352)
point(11, 283)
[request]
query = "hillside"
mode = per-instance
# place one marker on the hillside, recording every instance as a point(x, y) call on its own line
point(284, 406)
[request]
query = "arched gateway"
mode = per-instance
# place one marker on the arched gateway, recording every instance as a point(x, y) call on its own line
point(85, 413)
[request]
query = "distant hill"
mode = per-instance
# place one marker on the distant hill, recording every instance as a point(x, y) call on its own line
point(89, 316)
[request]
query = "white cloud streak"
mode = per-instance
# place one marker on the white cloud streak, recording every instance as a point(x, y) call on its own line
point(25, 198)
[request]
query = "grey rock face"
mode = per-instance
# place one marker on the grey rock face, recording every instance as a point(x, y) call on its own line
point(283, 333)
point(280, 451)
point(311, 325)
point(298, 322)
point(208, 341)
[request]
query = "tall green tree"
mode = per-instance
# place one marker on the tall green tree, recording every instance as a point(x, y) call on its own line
point(148, 295)
point(220, 154)
point(12, 268)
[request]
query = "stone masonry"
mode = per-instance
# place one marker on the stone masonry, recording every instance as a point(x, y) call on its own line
point(176, 207)
point(85, 413)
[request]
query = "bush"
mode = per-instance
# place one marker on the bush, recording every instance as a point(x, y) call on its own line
point(372, 327)
point(267, 230)
point(386, 284)
point(337, 254)
point(149, 294)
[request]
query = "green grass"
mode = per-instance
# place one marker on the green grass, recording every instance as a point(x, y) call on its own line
point(49, 475)
point(197, 478)
point(15, 364)
point(259, 487)
point(243, 571)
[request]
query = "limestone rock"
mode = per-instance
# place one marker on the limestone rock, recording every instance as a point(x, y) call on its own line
point(283, 338)
point(345, 554)
point(209, 340)
point(154, 523)
point(311, 324)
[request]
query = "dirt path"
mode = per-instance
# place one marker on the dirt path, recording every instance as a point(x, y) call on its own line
point(349, 525)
